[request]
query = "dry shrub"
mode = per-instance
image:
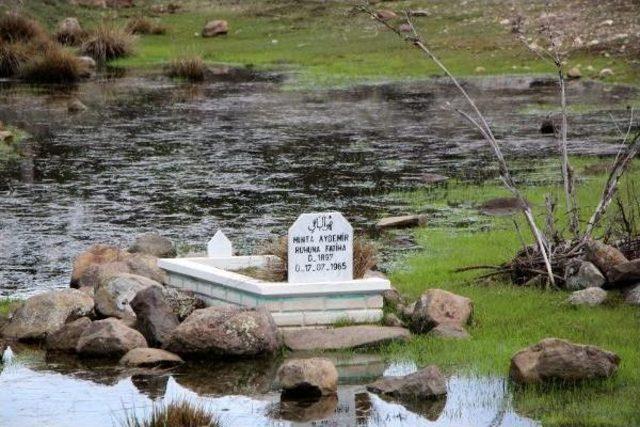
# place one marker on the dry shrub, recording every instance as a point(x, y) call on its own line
point(12, 56)
point(175, 414)
point(142, 25)
point(108, 42)
point(365, 257)
point(190, 68)
point(17, 28)
point(53, 65)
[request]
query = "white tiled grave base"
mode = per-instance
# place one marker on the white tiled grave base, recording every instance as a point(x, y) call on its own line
point(292, 305)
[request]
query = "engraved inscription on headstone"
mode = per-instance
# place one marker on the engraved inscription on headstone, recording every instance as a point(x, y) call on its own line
point(320, 248)
point(219, 246)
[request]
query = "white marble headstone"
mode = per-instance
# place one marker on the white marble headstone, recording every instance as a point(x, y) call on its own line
point(219, 246)
point(320, 248)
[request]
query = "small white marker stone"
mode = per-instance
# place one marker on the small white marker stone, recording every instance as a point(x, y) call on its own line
point(219, 246)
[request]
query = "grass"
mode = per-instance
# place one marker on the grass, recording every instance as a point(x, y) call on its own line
point(508, 318)
point(146, 26)
point(53, 65)
point(18, 28)
point(190, 68)
point(107, 42)
point(175, 414)
point(5, 306)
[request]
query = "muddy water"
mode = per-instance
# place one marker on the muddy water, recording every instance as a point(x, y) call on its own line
point(68, 393)
point(246, 157)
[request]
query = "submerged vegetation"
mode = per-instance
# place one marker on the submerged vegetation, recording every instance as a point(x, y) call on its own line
point(175, 414)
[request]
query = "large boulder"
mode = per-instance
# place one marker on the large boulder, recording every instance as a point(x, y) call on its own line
point(229, 331)
point(554, 359)
point(150, 358)
point(183, 303)
point(450, 330)
point(582, 275)
point(603, 256)
point(155, 318)
point(626, 272)
point(436, 307)
point(46, 313)
point(312, 377)
point(96, 254)
point(98, 274)
point(109, 338)
point(344, 338)
point(66, 338)
point(632, 294)
point(404, 221)
point(589, 296)
point(428, 383)
point(146, 265)
point(114, 297)
point(153, 244)
point(215, 28)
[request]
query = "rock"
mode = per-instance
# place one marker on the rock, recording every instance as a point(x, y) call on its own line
point(150, 358)
point(554, 359)
point(405, 28)
point(386, 15)
point(401, 222)
point(89, 3)
point(69, 26)
point(574, 73)
point(626, 272)
point(120, 3)
point(604, 257)
point(88, 62)
point(153, 244)
point(419, 13)
point(76, 106)
point(480, 70)
point(547, 127)
point(436, 307)
point(407, 311)
point(114, 297)
point(182, 303)
point(147, 266)
point(66, 338)
point(46, 313)
point(98, 274)
point(6, 136)
point(581, 275)
point(313, 377)
point(215, 28)
point(606, 72)
point(449, 330)
point(590, 296)
point(632, 294)
point(343, 338)
point(155, 317)
point(392, 297)
point(502, 206)
point(392, 320)
point(96, 254)
point(433, 178)
point(229, 331)
point(109, 338)
point(306, 411)
point(427, 383)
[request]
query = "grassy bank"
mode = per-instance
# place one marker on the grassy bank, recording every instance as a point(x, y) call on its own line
point(508, 318)
point(324, 45)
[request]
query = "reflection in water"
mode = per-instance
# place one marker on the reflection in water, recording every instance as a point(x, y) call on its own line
point(65, 397)
point(245, 157)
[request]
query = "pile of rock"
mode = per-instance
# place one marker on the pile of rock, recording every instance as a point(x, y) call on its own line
point(118, 307)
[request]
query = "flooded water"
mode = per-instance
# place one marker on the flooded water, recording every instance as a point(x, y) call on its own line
point(52, 393)
point(247, 157)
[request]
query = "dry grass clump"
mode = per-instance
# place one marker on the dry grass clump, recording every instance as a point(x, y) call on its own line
point(12, 56)
point(108, 42)
point(17, 28)
point(142, 25)
point(190, 68)
point(70, 36)
point(365, 257)
point(175, 414)
point(52, 65)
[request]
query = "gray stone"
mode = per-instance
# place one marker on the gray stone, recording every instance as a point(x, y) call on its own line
point(626, 272)
point(343, 338)
point(589, 296)
point(427, 383)
point(450, 330)
point(46, 313)
point(404, 221)
point(436, 307)
point(230, 331)
point(183, 303)
point(153, 244)
point(114, 297)
point(632, 294)
point(605, 257)
point(314, 377)
point(554, 359)
point(66, 339)
point(76, 106)
point(155, 318)
point(215, 28)
point(150, 358)
point(94, 255)
point(390, 319)
point(109, 338)
point(581, 275)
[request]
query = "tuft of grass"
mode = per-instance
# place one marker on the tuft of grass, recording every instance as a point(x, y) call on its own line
point(108, 42)
point(191, 68)
point(12, 56)
point(17, 28)
point(70, 36)
point(143, 25)
point(175, 414)
point(53, 65)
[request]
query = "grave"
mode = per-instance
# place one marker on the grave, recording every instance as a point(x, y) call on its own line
point(320, 289)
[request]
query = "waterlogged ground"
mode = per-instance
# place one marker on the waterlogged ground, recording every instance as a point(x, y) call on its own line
point(66, 393)
point(248, 156)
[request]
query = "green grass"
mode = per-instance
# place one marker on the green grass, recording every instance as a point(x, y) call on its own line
point(324, 45)
point(508, 318)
